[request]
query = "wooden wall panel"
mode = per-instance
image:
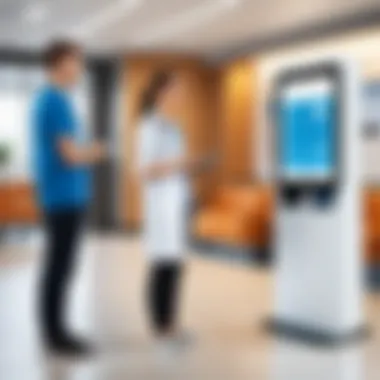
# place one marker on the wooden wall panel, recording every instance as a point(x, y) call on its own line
point(198, 119)
point(238, 91)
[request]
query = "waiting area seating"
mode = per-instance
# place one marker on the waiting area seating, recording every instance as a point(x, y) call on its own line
point(236, 215)
point(17, 204)
point(372, 226)
point(243, 216)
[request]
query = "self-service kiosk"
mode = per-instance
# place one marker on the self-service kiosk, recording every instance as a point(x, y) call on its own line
point(318, 219)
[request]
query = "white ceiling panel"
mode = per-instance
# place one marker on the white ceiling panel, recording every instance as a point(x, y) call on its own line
point(206, 27)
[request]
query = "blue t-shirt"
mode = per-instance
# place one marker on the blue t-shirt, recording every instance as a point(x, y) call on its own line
point(60, 186)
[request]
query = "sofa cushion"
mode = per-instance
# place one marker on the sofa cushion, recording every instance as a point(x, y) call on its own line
point(238, 215)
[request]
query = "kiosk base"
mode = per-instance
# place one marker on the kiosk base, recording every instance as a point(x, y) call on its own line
point(315, 337)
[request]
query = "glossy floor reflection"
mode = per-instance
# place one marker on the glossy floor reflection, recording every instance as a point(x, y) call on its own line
point(224, 306)
point(293, 361)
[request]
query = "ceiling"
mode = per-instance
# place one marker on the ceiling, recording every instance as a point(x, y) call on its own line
point(205, 27)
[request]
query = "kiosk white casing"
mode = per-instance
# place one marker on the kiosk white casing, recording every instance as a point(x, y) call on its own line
point(318, 279)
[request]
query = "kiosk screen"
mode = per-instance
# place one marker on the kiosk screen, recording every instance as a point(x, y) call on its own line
point(307, 122)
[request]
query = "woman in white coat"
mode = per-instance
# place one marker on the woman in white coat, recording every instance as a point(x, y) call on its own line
point(164, 169)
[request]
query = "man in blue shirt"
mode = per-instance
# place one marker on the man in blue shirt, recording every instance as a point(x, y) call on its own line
point(62, 184)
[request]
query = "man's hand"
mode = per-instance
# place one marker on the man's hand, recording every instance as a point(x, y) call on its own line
point(99, 150)
point(74, 154)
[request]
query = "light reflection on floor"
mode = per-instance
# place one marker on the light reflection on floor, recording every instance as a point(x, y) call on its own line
point(223, 305)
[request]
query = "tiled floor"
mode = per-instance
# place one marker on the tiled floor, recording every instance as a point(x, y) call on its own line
point(224, 306)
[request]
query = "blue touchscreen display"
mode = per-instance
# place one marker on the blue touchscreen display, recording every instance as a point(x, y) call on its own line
point(307, 131)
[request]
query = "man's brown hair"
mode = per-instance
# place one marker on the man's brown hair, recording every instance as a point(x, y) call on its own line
point(58, 50)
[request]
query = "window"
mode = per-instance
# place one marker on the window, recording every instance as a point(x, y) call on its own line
point(18, 85)
point(16, 89)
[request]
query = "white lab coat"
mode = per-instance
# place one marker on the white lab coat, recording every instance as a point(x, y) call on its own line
point(165, 200)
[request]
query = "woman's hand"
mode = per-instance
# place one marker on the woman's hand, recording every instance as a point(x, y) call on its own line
point(204, 163)
point(187, 164)
point(163, 169)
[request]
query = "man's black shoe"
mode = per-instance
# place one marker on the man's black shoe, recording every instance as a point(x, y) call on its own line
point(68, 346)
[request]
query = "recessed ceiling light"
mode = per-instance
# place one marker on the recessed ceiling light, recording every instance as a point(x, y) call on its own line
point(186, 20)
point(36, 13)
point(104, 17)
point(232, 3)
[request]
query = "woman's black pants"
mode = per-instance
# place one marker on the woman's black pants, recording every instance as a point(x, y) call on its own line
point(163, 293)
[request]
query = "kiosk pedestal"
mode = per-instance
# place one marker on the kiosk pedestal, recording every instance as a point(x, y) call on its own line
point(318, 219)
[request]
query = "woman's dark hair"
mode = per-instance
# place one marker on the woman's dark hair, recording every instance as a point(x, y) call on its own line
point(159, 81)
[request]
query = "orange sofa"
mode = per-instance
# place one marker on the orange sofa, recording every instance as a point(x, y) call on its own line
point(243, 216)
point(236, 215)
point(17, 204)
point(372, 226)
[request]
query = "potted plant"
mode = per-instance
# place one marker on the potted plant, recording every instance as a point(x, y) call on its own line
point(4, 157)
point(4, 161)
